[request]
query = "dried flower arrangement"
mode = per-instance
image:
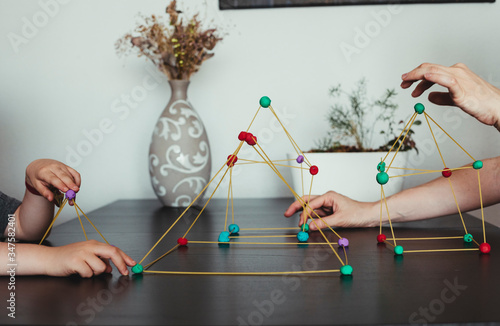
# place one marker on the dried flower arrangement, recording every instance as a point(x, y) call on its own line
point(177, 49)
point(351, 128)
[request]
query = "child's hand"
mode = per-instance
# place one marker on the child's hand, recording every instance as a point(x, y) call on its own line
point(44, 174)
point(87, 258)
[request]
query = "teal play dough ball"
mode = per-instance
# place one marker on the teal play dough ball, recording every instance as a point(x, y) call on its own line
point(398, 250)
point(233, 228)
point(419, 108)
point(224, 236)
point(477, 165)
point(265, 101)
point(381, 167)
point(137, 269)
point(382, 178)
point(346, 270)
point(303, 236)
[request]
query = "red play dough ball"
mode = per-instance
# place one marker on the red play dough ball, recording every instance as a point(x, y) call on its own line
point(314, 170)
point(242, 135)
point(485, 247)
point(446, 173)
point(251, 139)
point(381, 238)
point(231, 159)
point(182, 241)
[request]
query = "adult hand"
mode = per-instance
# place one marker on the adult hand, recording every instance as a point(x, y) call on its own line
point(466, 90)
point(335, 210)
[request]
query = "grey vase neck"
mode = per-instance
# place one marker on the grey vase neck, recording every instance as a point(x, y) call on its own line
point(179, 89)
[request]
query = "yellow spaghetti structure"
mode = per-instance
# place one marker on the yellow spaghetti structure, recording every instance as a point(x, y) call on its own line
point(232, 235)
point(383, 177)
point(78, 210)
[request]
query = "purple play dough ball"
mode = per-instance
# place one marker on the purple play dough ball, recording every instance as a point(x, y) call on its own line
point(70, 194)
point(343, 242)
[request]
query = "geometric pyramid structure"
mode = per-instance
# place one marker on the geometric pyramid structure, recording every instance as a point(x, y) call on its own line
point(469, 243)
point(71, 197)
point(234, 236)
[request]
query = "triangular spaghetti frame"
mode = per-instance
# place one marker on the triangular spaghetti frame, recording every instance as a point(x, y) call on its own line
point(246, 138)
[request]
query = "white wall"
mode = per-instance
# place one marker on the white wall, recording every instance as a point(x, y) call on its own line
point(64, 78)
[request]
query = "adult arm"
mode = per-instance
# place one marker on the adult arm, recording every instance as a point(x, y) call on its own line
point(432, 199)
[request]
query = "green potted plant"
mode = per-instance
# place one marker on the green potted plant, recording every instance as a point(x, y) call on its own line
point(361, 133)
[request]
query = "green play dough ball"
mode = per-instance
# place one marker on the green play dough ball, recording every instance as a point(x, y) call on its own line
point(265, 101)
point(477, 165)
point(382, 178)
point(346, 270)
point(305, 227)
point(381, 167)
point(419, 108)
point(398, 250)
point(468, 237)
point(137, 269)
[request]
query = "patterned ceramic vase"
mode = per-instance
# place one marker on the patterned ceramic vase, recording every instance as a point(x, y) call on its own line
point(179, 154)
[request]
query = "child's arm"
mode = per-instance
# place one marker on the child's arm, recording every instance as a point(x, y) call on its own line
point(86, 258)
point(34, 215)
point(32, 219)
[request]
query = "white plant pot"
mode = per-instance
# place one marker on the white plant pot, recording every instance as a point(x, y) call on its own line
point(350, 174)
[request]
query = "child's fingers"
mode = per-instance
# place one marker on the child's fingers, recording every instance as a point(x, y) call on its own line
point(43, 190)
point(97, 265)
point(76, 177)
point(118, 257)
point(68, 182)
point(51, 178)
point(70, 178)
point(109, 268)
point(83, 269)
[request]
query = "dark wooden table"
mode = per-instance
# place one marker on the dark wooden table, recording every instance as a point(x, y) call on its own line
point(442, 287)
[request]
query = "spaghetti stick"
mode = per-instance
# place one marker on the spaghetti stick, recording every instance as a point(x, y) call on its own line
point(262, 243)
point(388, 216)
point(430, 238)
point(482, 209)
point(245, 273)
point(53, 220)
point(433, 137)
point(79, 219)
point(438, 250)
point(165, 254)
point(91, 223)
point(184, 212)
point(450, 137)
point(406, 126)
point(402, 141)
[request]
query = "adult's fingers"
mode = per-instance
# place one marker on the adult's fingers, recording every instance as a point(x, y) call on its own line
point(320, 223)
point(441, 98)
point(298, 205)
point(449, 81)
